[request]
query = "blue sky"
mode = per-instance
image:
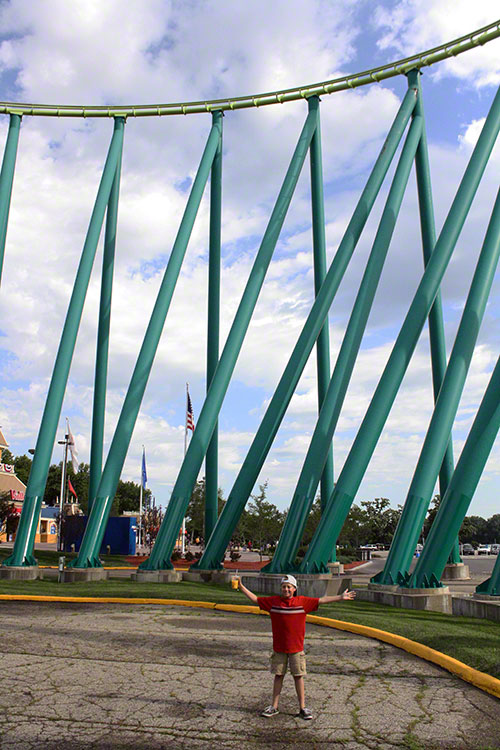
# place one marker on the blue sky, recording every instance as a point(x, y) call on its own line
point(155, 51)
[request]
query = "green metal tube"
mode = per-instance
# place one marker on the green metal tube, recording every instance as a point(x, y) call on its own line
point(436, 327)
point(6, 180)
point(96, 526)
point(460, 492)
point(434, 445)
point(101, 365)
point(319, 254)
point(293, 529)
point(211, 459)
point(378, 411)
point(160, 556)
point(22, 554)
point(315, 321)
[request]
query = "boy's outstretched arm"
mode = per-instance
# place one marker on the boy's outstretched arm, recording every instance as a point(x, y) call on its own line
point(249, 594)
point(343, 597)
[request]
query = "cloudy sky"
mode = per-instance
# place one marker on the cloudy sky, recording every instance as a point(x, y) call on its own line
point(156, 51)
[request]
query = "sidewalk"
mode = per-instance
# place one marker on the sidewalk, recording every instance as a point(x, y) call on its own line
point(141, 677)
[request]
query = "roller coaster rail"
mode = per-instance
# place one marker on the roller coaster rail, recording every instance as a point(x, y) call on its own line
point(375, 75)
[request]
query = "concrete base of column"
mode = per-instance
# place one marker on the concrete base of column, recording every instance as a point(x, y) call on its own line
point(335, 568)
point(20, 573)
point(157, 576)
point(478, 605)
point(84, 575)
point(221, 577)
point(432, 600)
point(454, 571)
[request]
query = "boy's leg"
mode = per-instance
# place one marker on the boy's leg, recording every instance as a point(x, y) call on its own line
point(277, 685)
point(300, 689)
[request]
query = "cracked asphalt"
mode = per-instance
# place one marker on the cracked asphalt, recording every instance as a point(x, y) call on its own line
point(101, 676)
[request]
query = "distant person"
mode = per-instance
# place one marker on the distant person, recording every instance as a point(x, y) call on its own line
point(288, 622)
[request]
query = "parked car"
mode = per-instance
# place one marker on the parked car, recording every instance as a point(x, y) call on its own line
point(484, 549)
point(495, 549)
point(467, 549)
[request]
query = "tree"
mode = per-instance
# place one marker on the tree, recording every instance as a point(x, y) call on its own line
point(353, 533)
point(7, 457)
point(480, 529)
point(53, 485)
point(493, 528)
point(22, 465)
point(263, 522)
point(380, 520)
point(195, 513)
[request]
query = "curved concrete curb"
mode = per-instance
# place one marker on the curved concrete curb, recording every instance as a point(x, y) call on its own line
point(483, 681)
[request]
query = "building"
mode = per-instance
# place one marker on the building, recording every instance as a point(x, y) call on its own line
point(15, 489)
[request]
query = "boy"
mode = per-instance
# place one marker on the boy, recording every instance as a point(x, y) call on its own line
point(288, 622)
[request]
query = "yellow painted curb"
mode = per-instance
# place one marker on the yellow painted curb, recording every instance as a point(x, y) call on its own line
point(483, 681)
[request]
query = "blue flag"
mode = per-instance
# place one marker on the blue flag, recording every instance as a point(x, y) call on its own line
point(144, 476)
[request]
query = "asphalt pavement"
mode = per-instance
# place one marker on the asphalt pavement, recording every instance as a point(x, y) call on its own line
point(143, 677)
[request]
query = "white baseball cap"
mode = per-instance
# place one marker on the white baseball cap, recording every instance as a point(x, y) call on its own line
point(289, 579)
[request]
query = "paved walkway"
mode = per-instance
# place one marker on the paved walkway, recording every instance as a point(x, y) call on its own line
point(136, 677)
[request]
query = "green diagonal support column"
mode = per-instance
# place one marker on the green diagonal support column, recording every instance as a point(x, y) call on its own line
point(459, 494)
point(293, 529)
point(6, 180)
point(160, 556)
point(22, 554)
point(366, 440)
point(101, 365)
point(319, 251)
point(436, 328)
point(315, 321)
point(447, 404)
point(211, 460)
point(88, 556)
point(437, 438)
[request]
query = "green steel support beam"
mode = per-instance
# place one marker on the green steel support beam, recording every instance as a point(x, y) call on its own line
point(459, 494)
point(284, 558)
point(22, 554)
point(211, 460)
point(88, 556)
point(315, 321)
point(101, 365)
point(160, 556)
point(437, 438)
point(319, 251)
point(421, 487)
point(366, 440)
point(436, 328)
point(6, 180)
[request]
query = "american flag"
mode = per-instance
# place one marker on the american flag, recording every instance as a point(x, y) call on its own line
point(189, 412)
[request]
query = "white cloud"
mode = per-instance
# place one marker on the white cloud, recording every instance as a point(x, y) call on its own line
point(416, 25)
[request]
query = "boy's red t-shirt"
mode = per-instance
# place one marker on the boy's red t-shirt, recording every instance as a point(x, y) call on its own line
point(288, 620)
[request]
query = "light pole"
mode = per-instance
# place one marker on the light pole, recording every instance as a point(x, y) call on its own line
point(64, 442)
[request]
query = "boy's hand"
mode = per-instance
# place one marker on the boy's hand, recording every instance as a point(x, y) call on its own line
point(346, 595)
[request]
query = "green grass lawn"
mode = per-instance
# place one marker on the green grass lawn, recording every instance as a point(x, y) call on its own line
point(473, 641)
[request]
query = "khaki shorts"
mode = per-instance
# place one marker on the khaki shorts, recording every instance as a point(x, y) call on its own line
point(295, 662)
